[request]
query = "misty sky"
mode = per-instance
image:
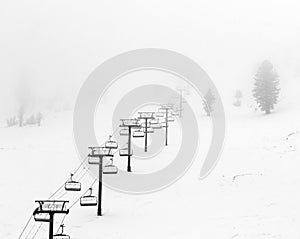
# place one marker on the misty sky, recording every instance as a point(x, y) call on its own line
point(48, 48)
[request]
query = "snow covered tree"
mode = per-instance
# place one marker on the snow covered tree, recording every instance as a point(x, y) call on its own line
point(238, 98)
point(209, 100)
point(266, 89)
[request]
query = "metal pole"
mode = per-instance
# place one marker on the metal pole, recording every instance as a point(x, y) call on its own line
point(99, 213)
point(129, 149)
point(167, 112)
point(51, 222)
point(146, 134)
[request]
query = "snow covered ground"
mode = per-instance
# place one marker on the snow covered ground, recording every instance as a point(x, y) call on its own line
point(252, 193)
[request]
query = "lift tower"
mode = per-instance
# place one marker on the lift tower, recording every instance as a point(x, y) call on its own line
point(146, 116)
point(129, 124)
point(47, 209)
point(100, 153)
point(166, 109)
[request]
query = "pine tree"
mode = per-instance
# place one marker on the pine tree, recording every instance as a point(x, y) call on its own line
point(209, 100)
point(238, 98)
point(266, 89)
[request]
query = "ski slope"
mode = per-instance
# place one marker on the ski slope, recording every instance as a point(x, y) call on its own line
point(252, 193)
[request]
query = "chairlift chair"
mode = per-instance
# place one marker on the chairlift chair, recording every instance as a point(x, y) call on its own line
point(156, 126)
point(46, 206)
point(161, 110)
point(99, 151)
point(149, 130)
point(110, 168)
point(124, 132)
point(72, 185)
point(171, 119)
point(88, 200)
point(124, 152)
point(41, 217)
point(93, 160)
point(143, 125)
point(175, 113)
point(144, 115)
point(61, 235)
point(111, 144)
point(162, 121)
point(154, 121)
point(160, 113)
point(130, 122)
point(138, 134)
point(164, 125)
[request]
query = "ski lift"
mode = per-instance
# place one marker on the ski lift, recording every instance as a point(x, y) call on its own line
point(46, 206)
point(143, 125)
point(130, 122)
point(61, 235)
point(110, 168)
point(88, 200)
point(154, 121)
point(124, 152)
point(156, 126)
point(41, 217)
point(72, 185)
point(149, 130)
point(164, 125)
point(93, 160)
point(144, 115)
point(159, 114)
point(175, 113)
point(171, 119)
point(110, 144)
point(124, 132)
point(138, 134)
point(99, 151)
point(163, 121)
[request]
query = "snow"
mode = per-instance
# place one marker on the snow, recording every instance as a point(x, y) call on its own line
point(252, 193)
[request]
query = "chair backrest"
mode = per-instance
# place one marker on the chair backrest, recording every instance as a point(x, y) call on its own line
point(110, 169)
point(124, 152)
point(72, 186)
point(111, 144)
point(88, 201)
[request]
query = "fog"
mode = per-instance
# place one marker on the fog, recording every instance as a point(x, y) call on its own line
point(48, 48)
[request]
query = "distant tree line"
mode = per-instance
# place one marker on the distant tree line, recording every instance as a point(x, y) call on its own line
point(21, 120)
